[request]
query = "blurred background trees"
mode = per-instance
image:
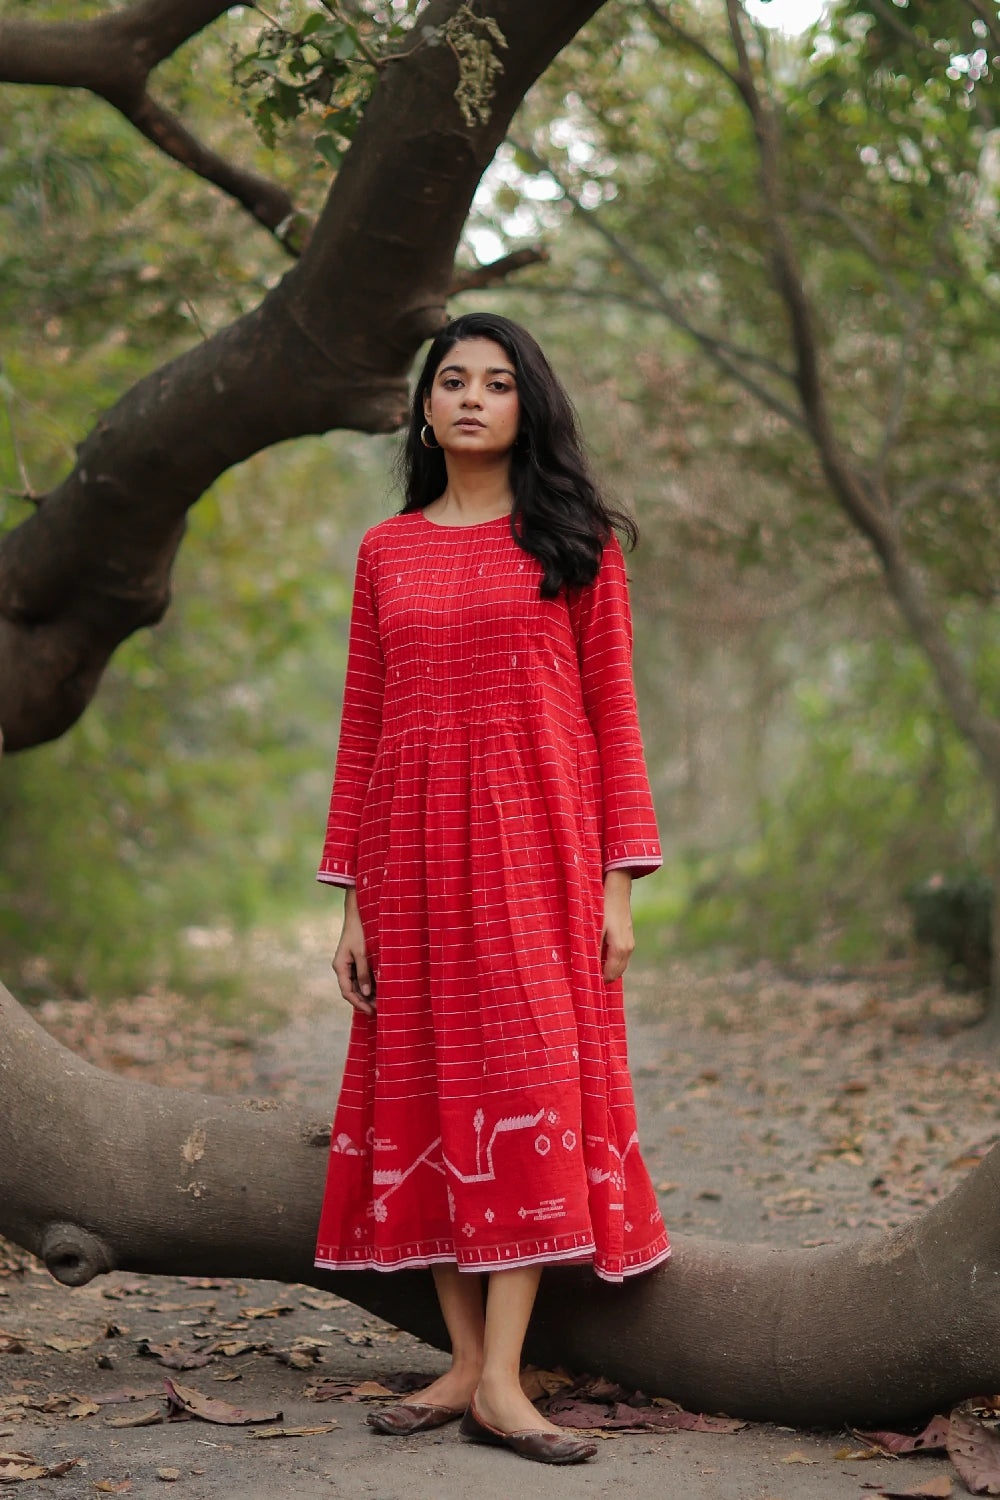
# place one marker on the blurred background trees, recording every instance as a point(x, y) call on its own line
point(807, 768)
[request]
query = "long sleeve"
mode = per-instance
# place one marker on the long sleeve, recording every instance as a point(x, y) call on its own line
point(360, 724)
point(602, 622)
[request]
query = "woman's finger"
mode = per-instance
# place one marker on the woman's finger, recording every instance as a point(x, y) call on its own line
point(345, 966)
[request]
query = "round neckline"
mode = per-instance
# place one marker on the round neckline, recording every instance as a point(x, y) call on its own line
point(467, 526)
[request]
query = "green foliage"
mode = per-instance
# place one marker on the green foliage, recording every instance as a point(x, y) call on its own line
point(193, 792)
point(322, 61)
point(879, 793)
point(952, 911)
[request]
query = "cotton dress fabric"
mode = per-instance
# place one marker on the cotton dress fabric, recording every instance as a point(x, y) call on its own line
point(489, 770)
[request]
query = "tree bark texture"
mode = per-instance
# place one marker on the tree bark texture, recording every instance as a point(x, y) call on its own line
point(329, 347)
point(100, 1173)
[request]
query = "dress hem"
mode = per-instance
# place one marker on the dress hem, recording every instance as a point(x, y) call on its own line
point(575, 1257)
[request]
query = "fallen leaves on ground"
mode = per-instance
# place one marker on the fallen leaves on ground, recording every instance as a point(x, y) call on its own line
point(595, 1404)
point(933, 1438)
point(345, 1390)
point(185, 1398)
point(173, 1355)
point(293, 1432)
point(931, 1489)
point(148, 1417)
point(975, 1451)
point(972, 1446)
point(16, 1468)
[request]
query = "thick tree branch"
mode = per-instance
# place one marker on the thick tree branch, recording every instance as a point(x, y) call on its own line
point(476, 278)
point(266, 201)
point(877, 1329)
point(112, 56)
point(329, 347)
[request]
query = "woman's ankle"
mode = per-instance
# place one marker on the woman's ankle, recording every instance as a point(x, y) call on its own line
point(496, 1384)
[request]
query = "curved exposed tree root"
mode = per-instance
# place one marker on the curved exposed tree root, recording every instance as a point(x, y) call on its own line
point(99, 1172)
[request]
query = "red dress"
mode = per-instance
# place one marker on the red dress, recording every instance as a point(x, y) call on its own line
point(489, 769)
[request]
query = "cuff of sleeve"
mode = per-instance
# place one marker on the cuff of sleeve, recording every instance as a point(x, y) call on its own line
point(637, 856)
point(336, 871)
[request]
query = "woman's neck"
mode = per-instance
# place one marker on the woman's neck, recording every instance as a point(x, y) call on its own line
point(474, 492)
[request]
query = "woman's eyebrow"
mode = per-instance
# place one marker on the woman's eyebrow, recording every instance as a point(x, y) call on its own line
point(491, 370)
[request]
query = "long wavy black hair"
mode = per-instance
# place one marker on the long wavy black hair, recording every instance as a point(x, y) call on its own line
point(564, 520)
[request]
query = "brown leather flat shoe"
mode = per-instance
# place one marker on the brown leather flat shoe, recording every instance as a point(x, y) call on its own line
point(400, 1421)
point(543, 1447)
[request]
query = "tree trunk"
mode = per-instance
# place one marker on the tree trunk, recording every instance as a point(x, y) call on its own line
point(99, 1173)
point(328, 347)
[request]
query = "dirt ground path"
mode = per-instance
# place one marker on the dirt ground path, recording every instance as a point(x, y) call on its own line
point(770, 1109)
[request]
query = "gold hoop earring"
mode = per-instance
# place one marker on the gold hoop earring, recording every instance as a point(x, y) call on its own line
point(423, 436)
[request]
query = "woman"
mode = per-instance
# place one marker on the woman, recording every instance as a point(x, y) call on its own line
point(490, 808)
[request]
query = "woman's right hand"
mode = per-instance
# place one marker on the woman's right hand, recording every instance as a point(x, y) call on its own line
point(350, 962)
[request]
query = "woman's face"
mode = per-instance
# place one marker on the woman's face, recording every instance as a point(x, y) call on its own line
point(473, 404)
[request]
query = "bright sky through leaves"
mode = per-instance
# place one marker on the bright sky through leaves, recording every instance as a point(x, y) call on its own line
point(790, 15)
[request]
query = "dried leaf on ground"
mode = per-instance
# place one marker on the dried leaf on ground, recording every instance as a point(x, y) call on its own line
point(291, 1432)
point(588, 1415)
point(569, 1411)
point(83, 1409)
point(323, 1302)
point(975, 1452)
point(232, 1348)
point(11, 1344)
point(172, 1356)
point(18, 1468)
point(688, 1421)
point(113, 1486)
point(933, 1438)
point(211, 1409)
point(798, 1458)
point(931, 1489)
point(119, 1398)
point(537, 1382)
point(276, 1310)
point(168, 1475)
point(338, 1390)
point(150, 1417)
point(297, 1359)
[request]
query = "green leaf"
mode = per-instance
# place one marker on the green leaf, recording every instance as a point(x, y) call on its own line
point(328, 149)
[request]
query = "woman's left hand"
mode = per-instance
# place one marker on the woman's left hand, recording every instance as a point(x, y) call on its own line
point(617, 938)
